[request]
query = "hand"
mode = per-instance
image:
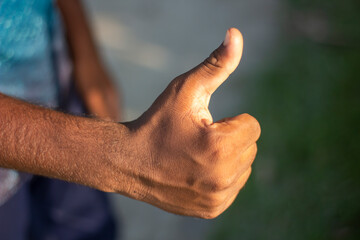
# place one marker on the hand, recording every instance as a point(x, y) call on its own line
point(97, 91)
point(190, 165)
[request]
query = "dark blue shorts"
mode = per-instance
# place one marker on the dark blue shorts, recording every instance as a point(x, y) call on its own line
point(48, 209)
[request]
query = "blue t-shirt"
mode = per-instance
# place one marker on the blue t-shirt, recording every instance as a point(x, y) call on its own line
point(26, 56)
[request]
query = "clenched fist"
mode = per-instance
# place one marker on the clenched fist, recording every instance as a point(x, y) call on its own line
point(187, 164)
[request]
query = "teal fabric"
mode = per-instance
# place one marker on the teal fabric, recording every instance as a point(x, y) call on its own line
point(26, 65)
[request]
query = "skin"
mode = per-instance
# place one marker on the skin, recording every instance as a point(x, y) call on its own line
point(173, 156)
point(91, 78)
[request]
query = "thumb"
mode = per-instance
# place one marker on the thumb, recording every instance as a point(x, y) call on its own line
point(211, 73)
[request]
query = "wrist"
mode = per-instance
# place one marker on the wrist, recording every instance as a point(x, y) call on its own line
point(127, 164)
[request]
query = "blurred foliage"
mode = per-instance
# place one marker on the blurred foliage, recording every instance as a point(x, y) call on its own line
point(343, 16)
point(305, 182)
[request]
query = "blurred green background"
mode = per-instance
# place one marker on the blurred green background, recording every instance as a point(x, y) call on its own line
point(305, 182)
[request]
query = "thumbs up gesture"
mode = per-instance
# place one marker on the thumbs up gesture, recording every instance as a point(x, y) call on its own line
point(188, 164)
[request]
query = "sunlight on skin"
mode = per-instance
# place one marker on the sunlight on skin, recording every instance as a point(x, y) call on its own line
point(196, 167)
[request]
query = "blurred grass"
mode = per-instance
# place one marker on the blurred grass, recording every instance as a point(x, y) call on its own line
point(305, 182)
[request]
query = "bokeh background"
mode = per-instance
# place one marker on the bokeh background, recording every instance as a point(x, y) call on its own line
point(299, 77)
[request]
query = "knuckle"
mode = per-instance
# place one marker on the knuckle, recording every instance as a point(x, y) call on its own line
point(211, 214)
point(216, 200)
point(212, 62)
point(177, 84)
point(182, 83)
point(223, 183)
point(244, 178)
point(215, 64)
point(216, 184)
point(250, 153)
point(209, 187)
point(253, 149)
point(212, 211)
point(254, 125)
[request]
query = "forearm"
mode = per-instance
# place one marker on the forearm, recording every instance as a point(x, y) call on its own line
point(58, 145)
